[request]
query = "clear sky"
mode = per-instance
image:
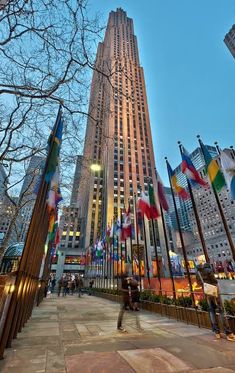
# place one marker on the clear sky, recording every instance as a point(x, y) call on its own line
point(189, 72)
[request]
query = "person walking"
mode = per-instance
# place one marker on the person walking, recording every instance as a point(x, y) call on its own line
point(125, 304)
point(206, 278)
point(135, 294)
point(91, 283)
point(60, 285)
point(65, 286)
point(53, 283)
point(79, 286)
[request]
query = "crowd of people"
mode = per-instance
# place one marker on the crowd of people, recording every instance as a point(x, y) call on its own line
point(67, 284)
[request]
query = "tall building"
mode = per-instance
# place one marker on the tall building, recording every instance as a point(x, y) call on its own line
point(212, 226)
point(27, 196)
point(230, 40)
point(186, 205)
point(70, 257)
point(118, 135)
point(76, 181)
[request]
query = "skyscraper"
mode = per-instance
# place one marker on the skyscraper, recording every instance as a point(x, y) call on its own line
point(118, 135)
point(230, 40)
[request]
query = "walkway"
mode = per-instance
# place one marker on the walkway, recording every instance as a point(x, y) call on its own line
point(79, 336)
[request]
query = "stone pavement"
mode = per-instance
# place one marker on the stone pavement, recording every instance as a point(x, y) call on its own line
point(78, 335)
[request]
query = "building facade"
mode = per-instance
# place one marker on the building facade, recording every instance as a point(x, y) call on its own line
point(70, 257)
point(119, 138)
point(27, 196)
point(230, 40)
point(212, 226)
point(76, 181)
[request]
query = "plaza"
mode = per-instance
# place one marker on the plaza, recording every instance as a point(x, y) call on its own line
point(71, 334)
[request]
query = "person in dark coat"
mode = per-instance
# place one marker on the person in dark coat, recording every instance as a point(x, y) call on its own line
point(205, 277)
point(125, 291)
point(135, 294)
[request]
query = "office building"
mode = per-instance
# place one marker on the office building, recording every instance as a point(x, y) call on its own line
point(119, 139)
point(230, 40)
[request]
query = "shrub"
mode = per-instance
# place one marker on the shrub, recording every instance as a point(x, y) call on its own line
point(203, 304)
point(229, 307)
point(184, 301)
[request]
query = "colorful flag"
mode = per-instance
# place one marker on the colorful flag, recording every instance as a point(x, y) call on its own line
point(228, 166)
point(54, 149)
point(154, 214)
point(126, 225)
point(161, 195)
point(177, 188)
point(190, 171)
point(143, 205)
point(215, 175)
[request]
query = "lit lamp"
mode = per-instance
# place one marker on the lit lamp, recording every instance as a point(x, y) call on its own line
point(95, 167)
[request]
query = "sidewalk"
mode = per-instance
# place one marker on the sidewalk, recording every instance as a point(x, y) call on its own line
point(78, 335)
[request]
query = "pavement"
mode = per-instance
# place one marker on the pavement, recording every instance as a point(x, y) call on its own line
point(78, 335)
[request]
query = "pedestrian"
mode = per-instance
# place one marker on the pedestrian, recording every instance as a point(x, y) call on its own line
point(79, 286)
point(60, 285)
point(53, 283)
point(206, 278)
point(135, 294)
point(65, 286)
point(125, 304)
point(91, 283)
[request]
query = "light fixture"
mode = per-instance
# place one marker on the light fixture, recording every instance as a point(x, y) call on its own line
point(95, 167)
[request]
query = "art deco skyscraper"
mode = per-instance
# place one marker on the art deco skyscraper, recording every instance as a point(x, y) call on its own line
point(118, 135)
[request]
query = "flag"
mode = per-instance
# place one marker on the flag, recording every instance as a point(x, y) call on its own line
point(108, 233)
point(190, 171)
point(143, 205)
point(126, 225)
point(228, 166)
point(154, 214)
point(55, 149)
point(161, 195)
point(117, 229)
point(215, 175)
point(177, 188)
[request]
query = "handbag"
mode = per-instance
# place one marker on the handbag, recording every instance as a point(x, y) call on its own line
point(211, 290)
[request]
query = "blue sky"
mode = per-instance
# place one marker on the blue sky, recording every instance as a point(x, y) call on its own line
point(189, 72)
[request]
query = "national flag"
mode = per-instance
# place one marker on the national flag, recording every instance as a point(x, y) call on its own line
point(117, 229)
point(143, 205)
point(108, 232)
point(154, 214)
point(54, 149)
point(177, 188)
point(228, 166)
point(190, 171)
point(126, 225)
point(215, 175)
point(161, 195)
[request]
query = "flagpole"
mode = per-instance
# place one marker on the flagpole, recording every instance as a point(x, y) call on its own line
point(167, 251)
point(230, 240)
point(146, 252)
point(132, 264)
point(157, 258)
point(181, 239)
point(204, 248)
point(137, 238)
point(121, 239)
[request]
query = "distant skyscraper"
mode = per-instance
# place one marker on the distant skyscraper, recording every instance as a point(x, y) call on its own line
point(199, 163)
point(76, 181)
point(27, 194)
point(230, 40)
point(119, 138)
